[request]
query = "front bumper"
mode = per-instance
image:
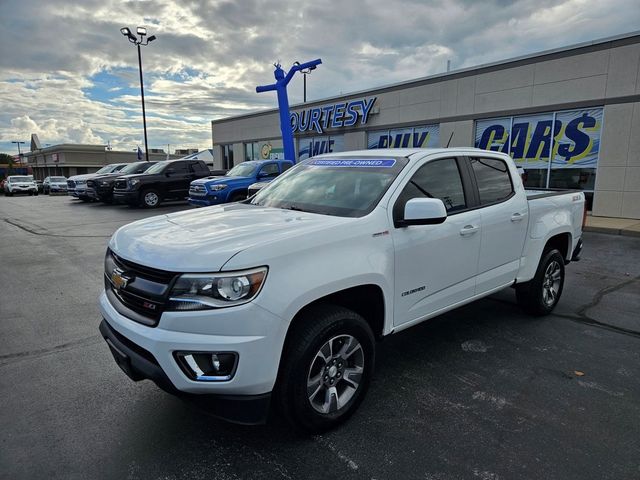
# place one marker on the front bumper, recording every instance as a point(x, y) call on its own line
point(125, 196)
point(255, 334)
point(140, 364)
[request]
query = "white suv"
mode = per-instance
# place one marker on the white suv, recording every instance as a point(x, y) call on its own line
point(20, 184)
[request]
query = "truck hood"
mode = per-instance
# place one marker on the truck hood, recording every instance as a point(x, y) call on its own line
point(203, 240)
point(222, 180)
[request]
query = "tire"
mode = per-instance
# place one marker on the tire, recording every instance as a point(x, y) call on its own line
point(306, 363)
point(150, 198)
point(540, 295)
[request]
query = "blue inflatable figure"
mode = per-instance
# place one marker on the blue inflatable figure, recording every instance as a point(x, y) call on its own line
point(282, 80)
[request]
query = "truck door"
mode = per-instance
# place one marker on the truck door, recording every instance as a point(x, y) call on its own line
point(179, 179)
point(504, 212)
point(435, 265)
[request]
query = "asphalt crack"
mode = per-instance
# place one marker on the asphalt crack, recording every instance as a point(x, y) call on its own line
point(48, 234)
point(10, 358)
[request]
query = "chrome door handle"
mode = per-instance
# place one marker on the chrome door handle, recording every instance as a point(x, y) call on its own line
point(517, 217)
point(468, 230)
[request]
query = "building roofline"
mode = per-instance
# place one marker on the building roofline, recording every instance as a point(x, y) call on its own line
point(592, 45)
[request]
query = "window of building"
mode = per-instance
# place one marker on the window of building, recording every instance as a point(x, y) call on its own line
point(227, 157)
point(556, 149)
point(311, 146)
point(424, 136)
point(492, 177)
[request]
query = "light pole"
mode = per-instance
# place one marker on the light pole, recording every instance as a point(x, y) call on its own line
point(142, 32)
point(305, 72)
point(19, 152)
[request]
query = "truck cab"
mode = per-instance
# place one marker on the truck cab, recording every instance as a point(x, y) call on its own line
point(234, 186)
point(166, 180)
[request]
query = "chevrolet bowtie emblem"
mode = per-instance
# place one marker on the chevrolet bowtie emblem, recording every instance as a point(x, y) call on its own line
point(119, 279)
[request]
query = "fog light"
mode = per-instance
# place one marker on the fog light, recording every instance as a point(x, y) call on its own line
point(208, 366)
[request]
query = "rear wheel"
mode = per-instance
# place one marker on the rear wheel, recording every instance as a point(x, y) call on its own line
point(540, 295)
point(149, 198)
point(326, 368)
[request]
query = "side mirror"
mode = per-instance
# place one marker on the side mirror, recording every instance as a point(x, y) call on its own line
point(423, 211)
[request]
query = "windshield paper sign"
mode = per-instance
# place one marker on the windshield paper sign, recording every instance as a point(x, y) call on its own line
point(377, 163)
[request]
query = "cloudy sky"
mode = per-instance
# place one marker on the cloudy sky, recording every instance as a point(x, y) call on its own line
point(67, 74)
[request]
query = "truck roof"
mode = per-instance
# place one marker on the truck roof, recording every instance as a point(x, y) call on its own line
point(401, 152)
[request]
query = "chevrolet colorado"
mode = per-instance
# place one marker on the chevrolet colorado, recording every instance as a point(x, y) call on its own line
point(282, 297)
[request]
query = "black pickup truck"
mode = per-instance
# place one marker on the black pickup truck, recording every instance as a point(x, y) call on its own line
point(101, 187)
point(166, 180)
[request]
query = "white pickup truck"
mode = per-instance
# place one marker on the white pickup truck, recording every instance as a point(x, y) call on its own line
point(281, 298)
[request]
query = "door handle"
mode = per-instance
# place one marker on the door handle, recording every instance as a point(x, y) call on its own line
point(468, 230)
point(517, 217)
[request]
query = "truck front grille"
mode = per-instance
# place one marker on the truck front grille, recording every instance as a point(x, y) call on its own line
point(71, 184)
point(145, 291)
point(197, 190)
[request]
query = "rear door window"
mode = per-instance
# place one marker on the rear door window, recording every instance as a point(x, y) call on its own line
point(493, 179)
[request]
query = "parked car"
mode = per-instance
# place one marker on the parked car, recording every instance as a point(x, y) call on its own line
point(39, 185)
point(15, 184)
point(255, 188)
point(233, 186)
point(54, 185)
point(101, 187)
point(77, 185)
point(166, 180)
point(280, 299)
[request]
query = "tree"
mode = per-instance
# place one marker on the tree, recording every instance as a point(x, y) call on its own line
point(8, 159)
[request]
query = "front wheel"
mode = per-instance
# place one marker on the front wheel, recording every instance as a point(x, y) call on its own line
point(540, 295)
point(326, 368)
point(149, 199)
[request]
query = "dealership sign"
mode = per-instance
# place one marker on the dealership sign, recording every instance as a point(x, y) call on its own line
point(574, 143)
point(338, 115)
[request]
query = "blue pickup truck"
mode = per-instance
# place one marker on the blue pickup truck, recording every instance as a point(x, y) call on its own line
point(233, 186)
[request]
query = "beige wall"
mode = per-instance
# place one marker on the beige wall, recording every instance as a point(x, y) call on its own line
point(602, 74)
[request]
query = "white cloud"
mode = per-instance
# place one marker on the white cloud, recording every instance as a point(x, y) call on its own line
point(210, 54)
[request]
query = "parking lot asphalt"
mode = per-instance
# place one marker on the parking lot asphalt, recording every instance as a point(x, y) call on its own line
point(483, 392)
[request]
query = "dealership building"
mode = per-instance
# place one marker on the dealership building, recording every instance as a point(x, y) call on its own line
point(570, 117)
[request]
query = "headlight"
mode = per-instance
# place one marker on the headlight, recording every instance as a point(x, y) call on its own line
point(134, 182)
point(205, 291)
point(217, 188)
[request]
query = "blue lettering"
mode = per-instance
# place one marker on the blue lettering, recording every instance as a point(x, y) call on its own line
point(419, 141)
point(294, 121)
point(326, 115)
point(352, 114)
point(489, 135)
point(581, 140)
point(315, 120)
point(330, 149)
point(383, 141)
point(540, 141)
point(303, 124)
point(338, 115)
point(366, 108)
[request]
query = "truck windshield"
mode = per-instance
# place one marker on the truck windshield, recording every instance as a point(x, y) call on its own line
point(157, 168)
point(244, 169)
point(344, 187)
point(106, 169)
point(137, 167)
